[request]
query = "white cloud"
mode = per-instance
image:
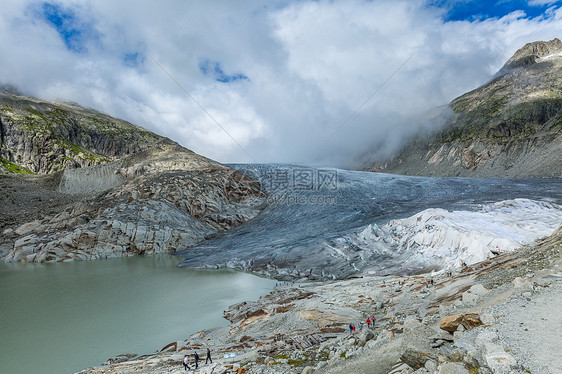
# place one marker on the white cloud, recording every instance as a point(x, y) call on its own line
point(309, 64)
point(541, 2)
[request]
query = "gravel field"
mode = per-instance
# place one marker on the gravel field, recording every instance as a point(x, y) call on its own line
point(533, 329)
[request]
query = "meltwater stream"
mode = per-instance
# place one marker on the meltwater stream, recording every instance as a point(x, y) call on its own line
point(64, 317)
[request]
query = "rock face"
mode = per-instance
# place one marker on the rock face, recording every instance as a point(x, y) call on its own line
point(510, 127)
point(42, 137)
point(171, 199)
point(112, 189)
point(530, 53)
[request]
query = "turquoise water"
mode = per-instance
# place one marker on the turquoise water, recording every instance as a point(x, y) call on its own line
point(63, 317)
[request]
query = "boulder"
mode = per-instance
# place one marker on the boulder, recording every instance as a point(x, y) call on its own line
point(474, 293)
point(415, 358)
point(431, 365)
point(366, 335)
point(308, 370)
point(321, 364)
point(253, 356)
point(487, 318)
point(120, 358)
point(522, 285)
point(27, 228)
point(468, 320)
point(401, 368)
point(498, 360)
point(553, 277)
point(453, 368)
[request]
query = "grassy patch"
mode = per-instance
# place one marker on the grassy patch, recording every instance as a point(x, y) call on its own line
point(14, 169)
point(294, 362)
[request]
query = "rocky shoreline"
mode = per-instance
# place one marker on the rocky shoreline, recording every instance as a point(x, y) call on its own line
point(496, 316)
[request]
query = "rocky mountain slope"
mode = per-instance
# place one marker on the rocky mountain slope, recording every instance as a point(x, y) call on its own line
point(40, 137)
point(108, 188)
point(510, 127)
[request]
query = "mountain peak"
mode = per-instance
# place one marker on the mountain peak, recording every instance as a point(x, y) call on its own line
point(530, 53)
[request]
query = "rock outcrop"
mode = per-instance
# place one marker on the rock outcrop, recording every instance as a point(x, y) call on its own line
point(531, 53)
point(161, 200)
point(510, 127)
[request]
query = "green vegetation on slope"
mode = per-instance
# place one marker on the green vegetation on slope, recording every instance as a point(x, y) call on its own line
point(495, 119)
point(12, 168)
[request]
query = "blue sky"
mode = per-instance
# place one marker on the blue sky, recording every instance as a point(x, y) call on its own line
point(73, 30)
point(215, 70)
point(475, 10)
point(279, 76)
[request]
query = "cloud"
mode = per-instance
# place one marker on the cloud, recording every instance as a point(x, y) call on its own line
point(280, 77)
point(542, 2)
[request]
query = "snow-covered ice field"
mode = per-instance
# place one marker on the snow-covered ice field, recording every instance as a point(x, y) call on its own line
point(444, 239)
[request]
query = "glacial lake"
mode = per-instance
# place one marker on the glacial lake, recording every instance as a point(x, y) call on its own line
point(64, 317)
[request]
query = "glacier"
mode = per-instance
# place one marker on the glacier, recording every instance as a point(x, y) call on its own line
point(443, 240)
point(330, 223)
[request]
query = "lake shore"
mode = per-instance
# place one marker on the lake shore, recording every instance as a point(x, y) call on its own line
point(71, 315)
point(497, 315)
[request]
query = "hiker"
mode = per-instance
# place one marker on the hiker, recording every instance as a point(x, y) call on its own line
point(196, 359)
point(186, 362)
point(208, 356)
point(353, 329)
point(368, 322)
point(350, 328)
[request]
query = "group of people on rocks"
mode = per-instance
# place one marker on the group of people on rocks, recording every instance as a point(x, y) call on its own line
point(370, 324)
point(196, 357)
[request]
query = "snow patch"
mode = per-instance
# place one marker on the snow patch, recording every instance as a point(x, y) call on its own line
point(551, 56)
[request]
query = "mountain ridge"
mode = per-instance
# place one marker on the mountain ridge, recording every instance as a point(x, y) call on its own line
point(42, 137)
point(77, 184)
point(509, 127)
